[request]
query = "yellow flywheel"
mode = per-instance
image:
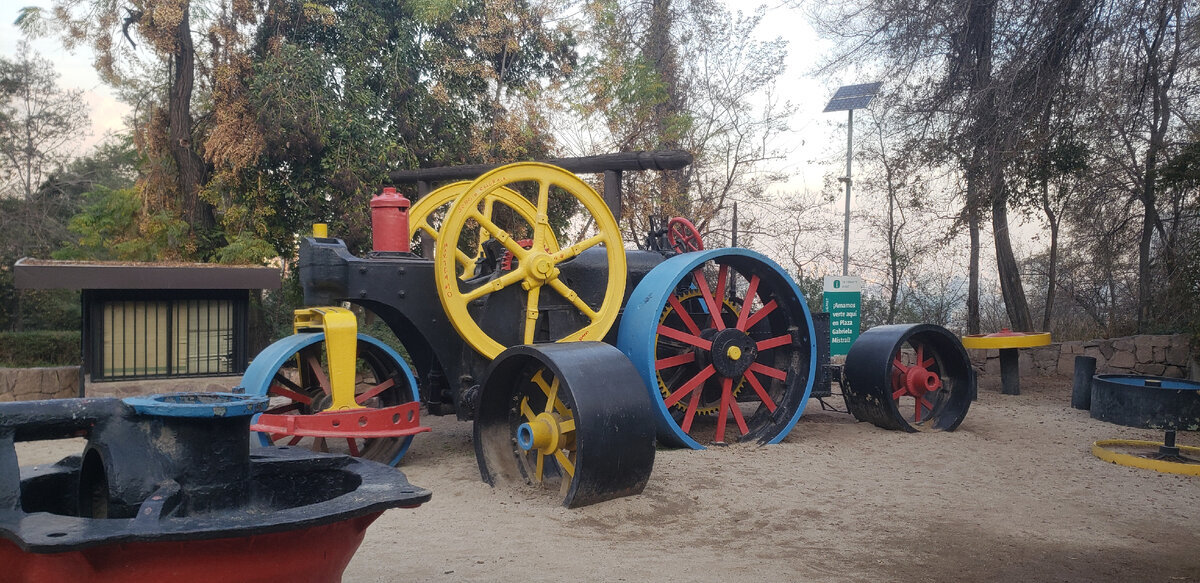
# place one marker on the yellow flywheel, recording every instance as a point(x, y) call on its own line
point(536, 267)
point(422, 215)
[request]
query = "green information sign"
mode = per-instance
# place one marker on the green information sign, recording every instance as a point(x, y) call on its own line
point(843, 301)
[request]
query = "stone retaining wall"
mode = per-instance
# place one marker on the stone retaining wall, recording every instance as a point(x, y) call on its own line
point(1157, 355)
point(32, 384)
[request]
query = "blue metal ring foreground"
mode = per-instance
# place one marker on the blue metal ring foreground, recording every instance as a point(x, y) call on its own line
point(752, 367)
point(261, 372)
point(198, 405)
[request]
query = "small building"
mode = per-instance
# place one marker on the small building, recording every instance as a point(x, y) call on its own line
point(144, 321)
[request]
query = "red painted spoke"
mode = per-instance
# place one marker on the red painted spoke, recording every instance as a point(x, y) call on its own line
point(317, 371)
point(923, 401)
point(917, 412)
point(676, 360)
point(759, 315)
point(900, 365)
point(295, 440)
point(690, 415)
point(921, 360)
point(293, 395)
point(284, 408)
point(747, 303)
point(769, 371)
point(726, 390)
point(375, 390)
point(722, 273)
point(682, 336)
point(897, 376)
point(683, 315)
point(737, 417)
point(690, 386)
point(714, 310)
point(774, 342)
point(758, 388)
point(900, 393)
point(353, 446)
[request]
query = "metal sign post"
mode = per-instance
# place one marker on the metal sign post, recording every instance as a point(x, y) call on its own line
point(849, 98)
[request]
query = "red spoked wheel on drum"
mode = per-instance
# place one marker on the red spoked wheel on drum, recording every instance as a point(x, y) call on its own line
point(725, 344)
point(683, 235)
point(913, 377)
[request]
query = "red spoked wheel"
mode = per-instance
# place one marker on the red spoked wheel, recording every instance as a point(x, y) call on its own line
point(293, 374)
point(912, 377)
point(724, 340)
point(916, 386)
point(683, 236)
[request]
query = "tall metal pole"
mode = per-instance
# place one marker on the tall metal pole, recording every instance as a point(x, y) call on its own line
point(849, 157)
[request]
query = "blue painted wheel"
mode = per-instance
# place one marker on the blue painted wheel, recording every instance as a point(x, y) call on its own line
point(292, 373)
point(743, 375)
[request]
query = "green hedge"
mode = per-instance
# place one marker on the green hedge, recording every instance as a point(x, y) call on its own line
point(39, 348)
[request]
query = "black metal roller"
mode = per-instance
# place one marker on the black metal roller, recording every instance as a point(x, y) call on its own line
point(572, 418)
point(914, 377)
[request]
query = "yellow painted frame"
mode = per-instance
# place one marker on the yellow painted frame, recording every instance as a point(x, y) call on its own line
point(1099, 449)
point(340, 327)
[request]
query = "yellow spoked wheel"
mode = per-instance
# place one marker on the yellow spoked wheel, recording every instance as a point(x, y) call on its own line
point(548, 431)
point(535, 268)
point(425, 214)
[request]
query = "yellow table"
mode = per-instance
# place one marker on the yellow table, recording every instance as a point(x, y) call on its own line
point(1008, 343)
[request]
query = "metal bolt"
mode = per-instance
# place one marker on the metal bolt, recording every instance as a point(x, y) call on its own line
point(400, 294)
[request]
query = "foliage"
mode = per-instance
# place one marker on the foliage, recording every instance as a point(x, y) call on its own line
point(113, 226)
point(690, 75)
point(39, 122)
point(41, 348)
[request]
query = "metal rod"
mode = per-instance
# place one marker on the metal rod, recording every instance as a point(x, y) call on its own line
point(849, 158)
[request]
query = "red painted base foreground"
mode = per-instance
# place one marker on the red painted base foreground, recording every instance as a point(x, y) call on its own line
point(317, 554)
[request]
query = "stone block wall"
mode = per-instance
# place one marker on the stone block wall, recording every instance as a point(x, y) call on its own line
point(1156, 355)
point(33, 384)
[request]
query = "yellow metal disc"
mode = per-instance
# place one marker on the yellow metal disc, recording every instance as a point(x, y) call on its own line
point(421, 215)
point(536, 267)
point(1101, 449)
point(1015, 341)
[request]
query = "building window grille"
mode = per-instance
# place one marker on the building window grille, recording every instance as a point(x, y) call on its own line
point(169, 338)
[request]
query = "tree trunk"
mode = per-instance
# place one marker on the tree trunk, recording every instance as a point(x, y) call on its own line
point(1011, 287)
point(192, 171)
point(660, 51)
point(973, 324)
point(1051, 269)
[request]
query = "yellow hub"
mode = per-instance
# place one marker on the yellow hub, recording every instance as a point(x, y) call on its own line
point(726, 304)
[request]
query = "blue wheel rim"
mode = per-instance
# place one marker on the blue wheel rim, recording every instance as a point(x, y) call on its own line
point(638, 337)
point(259, 374)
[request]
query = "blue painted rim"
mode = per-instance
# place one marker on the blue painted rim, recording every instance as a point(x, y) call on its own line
point(639, 328)
point(198, 405)
point(1139, 381)
point(258, 376)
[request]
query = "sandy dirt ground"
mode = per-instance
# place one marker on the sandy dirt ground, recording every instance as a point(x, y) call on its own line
point(1013, 495)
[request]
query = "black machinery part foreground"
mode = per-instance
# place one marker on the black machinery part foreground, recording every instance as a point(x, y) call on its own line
point(583, 423)
point(178, 468)
point(911, 377)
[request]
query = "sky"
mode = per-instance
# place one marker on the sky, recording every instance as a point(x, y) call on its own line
point(74, 69)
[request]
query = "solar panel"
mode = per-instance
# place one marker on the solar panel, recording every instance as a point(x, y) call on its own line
point(853, 97)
